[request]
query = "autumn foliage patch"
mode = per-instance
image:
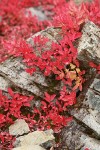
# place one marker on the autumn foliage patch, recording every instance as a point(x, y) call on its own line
point(59, 62)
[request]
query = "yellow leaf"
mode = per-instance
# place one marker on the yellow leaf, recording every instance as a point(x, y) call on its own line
point(72, 75)
point(72, 66)
point(66, 70)
point(78, 70)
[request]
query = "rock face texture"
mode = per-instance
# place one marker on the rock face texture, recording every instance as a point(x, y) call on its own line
point(85, 128)
point(77, 137)
point(35, 138)
point(89, 43)
point(26, 140)
point(89, 111)
point(20, 127)
point(84, 131)
point(13, 69)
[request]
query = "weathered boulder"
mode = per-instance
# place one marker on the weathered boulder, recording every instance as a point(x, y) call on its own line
point(20, 127)
point(4, 83)
point(41, 138)
point(71, 136)
point(77, 137)
point(89, 44)
point(89, 110)
point(89, 143)
point(35, 138)
point(13, 69)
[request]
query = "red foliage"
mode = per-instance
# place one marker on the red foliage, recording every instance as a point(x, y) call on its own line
point(60, 60)
point(6, 141)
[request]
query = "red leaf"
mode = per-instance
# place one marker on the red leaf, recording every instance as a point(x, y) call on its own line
point(10, 92)
point(30, 70)
point(48, 97)
point(92, 64)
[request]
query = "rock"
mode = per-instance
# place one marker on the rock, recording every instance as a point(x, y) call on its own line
point(20, 127)
point(29, 147)
point(89, 110)
point(14, 70)
point(96, 84)
point(35, 138)
point(4, 84)
point(49, 143)
point(90, 143)
point(53, 34)
point(37, 12)
point(89, 44)
point(71, 136)
point(75, 137)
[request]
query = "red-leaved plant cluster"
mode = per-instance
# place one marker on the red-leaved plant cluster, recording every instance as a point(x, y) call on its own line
point(59, 61)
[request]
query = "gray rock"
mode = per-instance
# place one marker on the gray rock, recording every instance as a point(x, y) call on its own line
point(71, 136)
point(96, 84)
point(93, 100)
point(89, 111)
point(20, 127)
point(89, 43)
point(4, 84)
point(14, 70)
point(37, 12)
point(90, 143)
point(35, 138)
point(75, 137)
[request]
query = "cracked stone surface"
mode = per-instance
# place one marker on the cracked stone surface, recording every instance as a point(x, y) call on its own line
point(14, 70)
point(89, 143)
point(89, 43)
point(36, 138)
point(20, 127)
point(71, 136)
point(5, 83)
point(89, 111)
point(75, 137)
point(84, 131)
